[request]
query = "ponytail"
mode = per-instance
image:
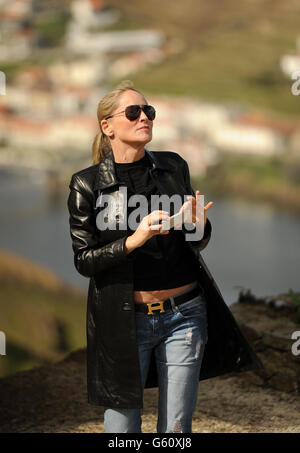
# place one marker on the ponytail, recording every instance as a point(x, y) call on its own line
point(100, 147)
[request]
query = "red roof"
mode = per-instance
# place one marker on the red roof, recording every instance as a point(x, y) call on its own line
point(81, 92)
point(11, 15)
point(97, 5)
point(255, 119)
point(23, 125)
point(14, 122)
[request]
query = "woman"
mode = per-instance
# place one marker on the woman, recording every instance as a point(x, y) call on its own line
point(154, 312)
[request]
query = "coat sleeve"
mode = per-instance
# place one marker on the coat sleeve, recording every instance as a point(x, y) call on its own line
point(89, 257)
point(202, 243)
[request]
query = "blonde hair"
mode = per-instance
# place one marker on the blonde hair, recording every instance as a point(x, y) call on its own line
point(107, 105)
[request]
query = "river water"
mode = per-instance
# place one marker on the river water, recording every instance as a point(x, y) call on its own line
point(252, 246)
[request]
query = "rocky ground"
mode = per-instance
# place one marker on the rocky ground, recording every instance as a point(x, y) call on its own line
point(53, 398)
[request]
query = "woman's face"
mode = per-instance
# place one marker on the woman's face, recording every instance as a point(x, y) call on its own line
point(136, 132)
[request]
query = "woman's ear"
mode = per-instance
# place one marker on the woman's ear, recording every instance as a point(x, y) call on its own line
point(107, 128)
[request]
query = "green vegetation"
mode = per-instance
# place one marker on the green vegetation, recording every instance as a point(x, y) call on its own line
point(231, 50)
point(256, 178)
point(10, 69)
point(43, 319)
point(41, 58)
point(267, 170)
point(296, 301)
point(51, 28)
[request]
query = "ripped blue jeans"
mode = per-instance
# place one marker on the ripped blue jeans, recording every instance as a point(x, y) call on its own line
point(178, 337)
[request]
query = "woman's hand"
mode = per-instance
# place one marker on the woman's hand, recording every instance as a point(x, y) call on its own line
point(148, 227)
point(190, 208)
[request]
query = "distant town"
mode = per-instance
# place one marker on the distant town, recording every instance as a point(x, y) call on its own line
point(48, 112)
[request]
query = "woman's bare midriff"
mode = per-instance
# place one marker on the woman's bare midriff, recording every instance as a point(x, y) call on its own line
point(159, 295)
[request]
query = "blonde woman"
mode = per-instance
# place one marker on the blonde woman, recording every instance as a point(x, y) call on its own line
point(155, 316)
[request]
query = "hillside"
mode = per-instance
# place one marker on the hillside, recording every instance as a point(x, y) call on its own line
point(53, 398)
point(271, 181)
point(41, 316)
point(43, 320)
point(230, 50)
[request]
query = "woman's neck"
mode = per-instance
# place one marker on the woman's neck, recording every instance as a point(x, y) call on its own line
point(128, 154)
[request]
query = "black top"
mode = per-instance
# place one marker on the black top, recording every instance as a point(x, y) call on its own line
point(164, 261)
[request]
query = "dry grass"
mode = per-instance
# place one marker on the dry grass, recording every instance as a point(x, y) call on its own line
point(54, 399)
point(15, 268)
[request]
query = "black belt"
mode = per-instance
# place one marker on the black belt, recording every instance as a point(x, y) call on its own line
point(165, 304)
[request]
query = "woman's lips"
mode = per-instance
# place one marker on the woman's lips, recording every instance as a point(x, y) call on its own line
point(143, 127)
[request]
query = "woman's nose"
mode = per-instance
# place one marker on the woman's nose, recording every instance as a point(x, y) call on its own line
point(143, 115)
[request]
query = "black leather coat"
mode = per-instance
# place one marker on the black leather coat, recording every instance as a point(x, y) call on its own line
point(113, 374)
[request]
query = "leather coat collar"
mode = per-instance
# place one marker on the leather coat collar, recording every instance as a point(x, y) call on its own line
point(106, 176)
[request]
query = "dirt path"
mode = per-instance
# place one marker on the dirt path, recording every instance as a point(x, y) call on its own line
point(53, 399)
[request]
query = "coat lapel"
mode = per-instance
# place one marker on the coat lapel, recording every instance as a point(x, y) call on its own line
point(106, 176)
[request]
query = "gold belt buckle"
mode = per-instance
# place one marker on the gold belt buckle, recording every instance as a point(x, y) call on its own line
point(159, 307)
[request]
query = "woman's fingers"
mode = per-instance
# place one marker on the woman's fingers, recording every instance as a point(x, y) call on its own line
point(192, 200)
point(209, 205)
point(154, 219)
point(154, 215)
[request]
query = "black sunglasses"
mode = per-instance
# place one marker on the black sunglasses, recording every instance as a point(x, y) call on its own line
point(132, 112)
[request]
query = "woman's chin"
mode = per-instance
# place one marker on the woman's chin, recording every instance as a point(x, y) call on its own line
point(144, 140)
